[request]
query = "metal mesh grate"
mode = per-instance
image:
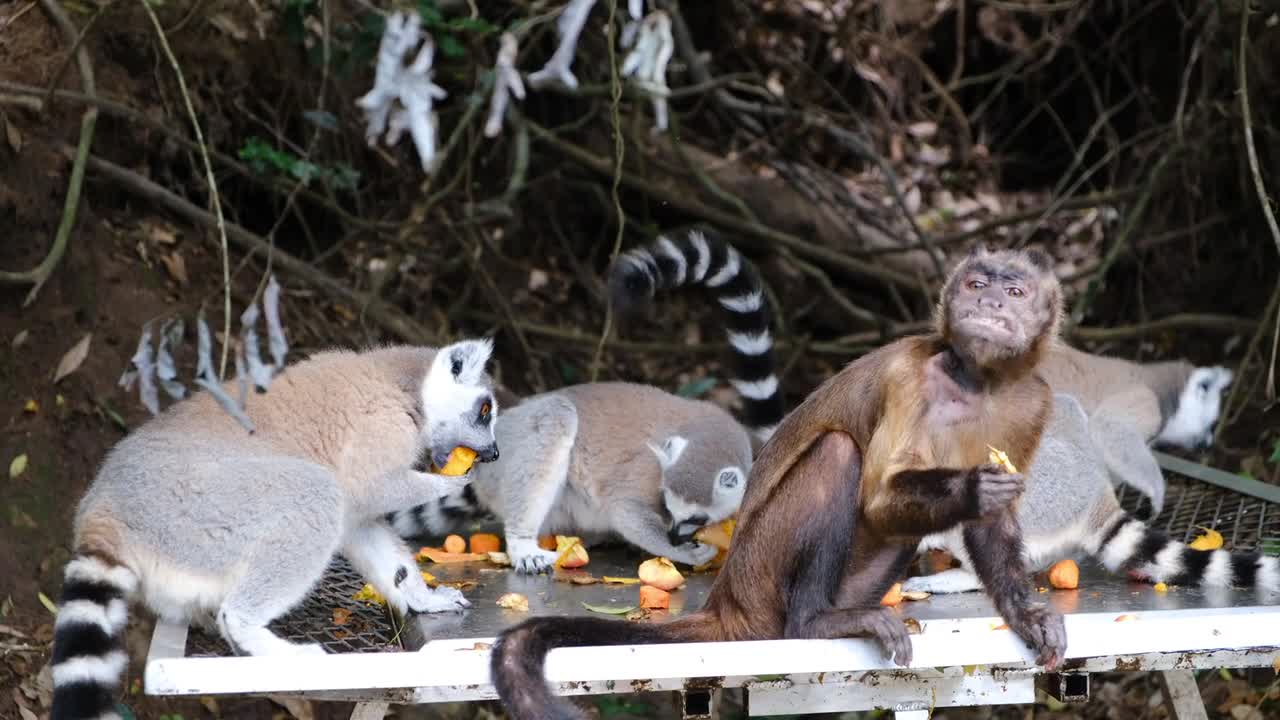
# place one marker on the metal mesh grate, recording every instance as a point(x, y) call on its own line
point(1246, 523)
point(368, 629)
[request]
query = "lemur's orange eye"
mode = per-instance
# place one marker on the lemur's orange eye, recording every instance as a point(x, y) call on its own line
point(484, 410)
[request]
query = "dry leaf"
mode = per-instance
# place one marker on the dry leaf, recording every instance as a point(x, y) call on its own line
point(621, 580)
point(913, 626)
point(176, 266)
point(73, 359)
point(608, 610)
point(369, 595)
point(341, 616)
point(1126, 618)
point(19, 339)
point(299, 708)
point(914, 595)
point(576, 578)
point(923, 130)
point(514, 601)
point(14, 136)
point(162, 235)
point(538, 279)
point(226, 24)
point(477, 646)
point(18, 466)
point(31, 406)
point(499, 558)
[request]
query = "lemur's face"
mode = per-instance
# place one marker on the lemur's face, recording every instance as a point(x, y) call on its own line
point(459, 408)
point(699, 487)
point(1199, 405)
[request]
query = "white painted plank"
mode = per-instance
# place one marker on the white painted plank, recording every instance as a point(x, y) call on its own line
point(452, 670)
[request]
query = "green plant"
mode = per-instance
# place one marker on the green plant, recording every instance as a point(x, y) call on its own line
point(263, 158)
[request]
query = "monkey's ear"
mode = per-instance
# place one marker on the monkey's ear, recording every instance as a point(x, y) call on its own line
point(669, 450)
point(1039, 259)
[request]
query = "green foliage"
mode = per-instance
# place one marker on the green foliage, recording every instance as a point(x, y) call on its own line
point(1275, 452)
point(263, 158)
point(697, 388)
point(610, 706)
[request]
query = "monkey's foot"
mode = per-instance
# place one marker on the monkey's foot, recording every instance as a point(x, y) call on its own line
point(1044, 631)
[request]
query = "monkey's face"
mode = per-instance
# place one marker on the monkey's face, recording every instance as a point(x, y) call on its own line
point(998, 305)
point(1199, 404)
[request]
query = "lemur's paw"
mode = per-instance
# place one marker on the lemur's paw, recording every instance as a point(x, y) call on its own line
point(534, 562)
point(440, 599)
point(694, 554)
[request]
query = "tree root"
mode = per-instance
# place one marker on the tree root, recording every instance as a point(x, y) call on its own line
point(37, 276)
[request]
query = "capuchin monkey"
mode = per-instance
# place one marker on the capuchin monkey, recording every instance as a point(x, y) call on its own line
point(892, 448)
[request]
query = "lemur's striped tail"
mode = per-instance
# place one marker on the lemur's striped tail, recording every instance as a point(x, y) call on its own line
point(437, 517)
point(699, 257)
point(89, 658)
point(1124, 542)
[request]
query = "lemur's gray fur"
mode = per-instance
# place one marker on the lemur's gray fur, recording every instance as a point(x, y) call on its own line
point(604, 460)
point(1132, 406)
point(206, 523)
point(1070, 507)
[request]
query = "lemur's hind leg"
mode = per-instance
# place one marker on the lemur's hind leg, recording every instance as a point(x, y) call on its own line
point(385, 561)
point(537, 440)
point(288, 561)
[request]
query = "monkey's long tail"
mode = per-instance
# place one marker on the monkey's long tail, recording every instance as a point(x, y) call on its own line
point(700, 257)
point(519, 655)
point(1127, 543)
point(89, 658)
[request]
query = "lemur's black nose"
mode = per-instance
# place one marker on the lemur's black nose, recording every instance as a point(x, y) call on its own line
point(680, 534)
point(488, 454)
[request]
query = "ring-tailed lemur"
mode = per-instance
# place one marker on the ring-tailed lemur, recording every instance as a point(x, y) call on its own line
point(207, 523)
point(1132, 406)
point(1070, 506)
point(609, 459)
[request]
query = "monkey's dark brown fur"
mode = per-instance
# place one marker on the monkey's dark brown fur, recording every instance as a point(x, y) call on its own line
point(891, 448)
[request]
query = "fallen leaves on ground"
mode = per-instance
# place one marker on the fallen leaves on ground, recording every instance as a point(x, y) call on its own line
point(608, 609)
point(74, 357)
point(341, 616)
point(514, 601)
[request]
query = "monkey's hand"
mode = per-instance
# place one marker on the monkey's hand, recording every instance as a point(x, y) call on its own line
point(1044, 630)
point(991, 489)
